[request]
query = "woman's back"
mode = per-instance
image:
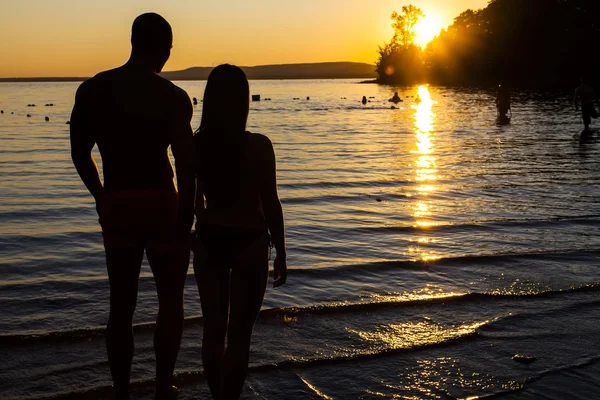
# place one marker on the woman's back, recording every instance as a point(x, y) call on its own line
point(231, 169)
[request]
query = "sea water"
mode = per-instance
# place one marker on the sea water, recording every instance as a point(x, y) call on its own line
point(427, 245)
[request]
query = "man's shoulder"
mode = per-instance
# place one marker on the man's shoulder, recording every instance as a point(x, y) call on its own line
point(172, 89)
point(584, 88)
point(97, 81)
point(87, 88)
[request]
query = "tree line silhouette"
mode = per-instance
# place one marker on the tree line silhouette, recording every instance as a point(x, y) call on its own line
point(539, 43)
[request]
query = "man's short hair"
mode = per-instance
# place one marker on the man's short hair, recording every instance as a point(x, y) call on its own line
point(150, 33)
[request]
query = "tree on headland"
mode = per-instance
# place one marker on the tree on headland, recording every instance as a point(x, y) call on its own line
point(522, 42)
point(400, 60)
point(404, 25)
point(533, 42)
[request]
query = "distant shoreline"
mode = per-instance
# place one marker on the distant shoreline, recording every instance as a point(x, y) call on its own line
point(42, 79)
point(76, 79)
point(324, 70)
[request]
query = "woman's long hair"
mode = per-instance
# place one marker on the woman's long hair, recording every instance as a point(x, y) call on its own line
point(221, 138)
point(226, 101)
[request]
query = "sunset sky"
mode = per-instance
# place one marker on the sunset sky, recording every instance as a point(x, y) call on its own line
point(80, 38)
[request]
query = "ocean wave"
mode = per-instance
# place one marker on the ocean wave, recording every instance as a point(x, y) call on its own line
point(467, 260)
point(343, 184)
point(193, 376)
point(492, 224)
point(45, 214)
point(532, 379)
point(375, 303)
point(63, 282)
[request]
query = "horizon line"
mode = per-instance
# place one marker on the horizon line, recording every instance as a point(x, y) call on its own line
point(73, 78)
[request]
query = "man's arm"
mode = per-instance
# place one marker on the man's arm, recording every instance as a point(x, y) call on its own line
point(182, 146)
point(82, 143)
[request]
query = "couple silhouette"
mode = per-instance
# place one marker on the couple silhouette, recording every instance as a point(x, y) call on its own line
point(226, 177)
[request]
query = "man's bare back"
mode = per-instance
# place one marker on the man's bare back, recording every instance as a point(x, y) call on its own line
point(133, 120)
point(585, 94)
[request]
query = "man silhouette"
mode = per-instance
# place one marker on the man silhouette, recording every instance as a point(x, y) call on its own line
point(586, 95)
point(503, 101)
point(133, 115)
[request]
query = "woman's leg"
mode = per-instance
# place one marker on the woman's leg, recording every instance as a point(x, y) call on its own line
point(213, 285)
point(247, 289)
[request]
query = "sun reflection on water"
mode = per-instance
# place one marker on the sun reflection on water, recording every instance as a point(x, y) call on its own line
point(416, 333)
point(425, 169)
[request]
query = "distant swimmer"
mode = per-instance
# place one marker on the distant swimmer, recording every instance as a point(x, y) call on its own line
point(47, 119)
point(195, 101)
point(503, 102)
point(396, 98)
point(585, 95)
point(364, 100)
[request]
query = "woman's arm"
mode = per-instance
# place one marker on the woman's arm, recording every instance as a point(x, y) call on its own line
point(272, 209)
point(199, 202)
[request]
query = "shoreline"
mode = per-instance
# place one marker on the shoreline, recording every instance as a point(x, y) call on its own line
point(81, 79)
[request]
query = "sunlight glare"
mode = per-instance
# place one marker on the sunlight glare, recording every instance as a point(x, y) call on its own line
point(428, 28)
point(425, 168)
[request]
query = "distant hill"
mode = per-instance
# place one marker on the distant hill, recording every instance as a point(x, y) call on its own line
point(327, 70)
point(46, 79)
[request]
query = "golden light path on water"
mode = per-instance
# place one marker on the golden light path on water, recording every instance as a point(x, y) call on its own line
point(425, 168)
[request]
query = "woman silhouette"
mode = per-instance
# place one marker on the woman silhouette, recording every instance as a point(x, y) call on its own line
point(236, 175)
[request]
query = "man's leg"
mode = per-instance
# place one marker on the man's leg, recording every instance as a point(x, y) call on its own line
point(170, 270)
point(123, 265)
point(586, 114)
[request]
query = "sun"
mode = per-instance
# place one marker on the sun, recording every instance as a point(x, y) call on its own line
point(428, 28)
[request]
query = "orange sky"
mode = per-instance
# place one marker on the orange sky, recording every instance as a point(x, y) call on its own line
point(80, 38)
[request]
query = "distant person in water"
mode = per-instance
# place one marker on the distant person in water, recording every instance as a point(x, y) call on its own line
point(236, 176)
point(585, 96)
point(395, 98)
point(133, 116)
point(503, 101)
point(364, 100)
